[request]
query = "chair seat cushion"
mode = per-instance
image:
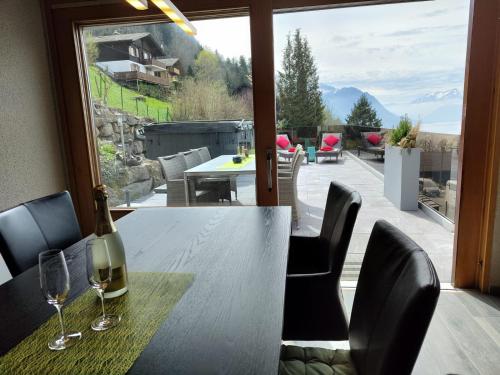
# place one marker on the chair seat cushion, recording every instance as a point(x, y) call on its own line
point(296, 360)
point(326, 148)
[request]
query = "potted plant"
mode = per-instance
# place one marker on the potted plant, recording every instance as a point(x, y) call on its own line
point(402, 166)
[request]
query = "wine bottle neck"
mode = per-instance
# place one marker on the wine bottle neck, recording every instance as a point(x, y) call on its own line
point(104, 222)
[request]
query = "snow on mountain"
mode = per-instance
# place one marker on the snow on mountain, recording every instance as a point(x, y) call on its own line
point(439, 96)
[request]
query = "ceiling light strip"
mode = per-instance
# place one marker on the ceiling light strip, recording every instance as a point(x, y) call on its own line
point(175, 15)
point(138, 4)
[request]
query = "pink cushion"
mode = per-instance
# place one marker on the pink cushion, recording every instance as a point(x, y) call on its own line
point(331, 140)
point(326, 148)
point(374, 139)
point(291, 149)
point(282, 142)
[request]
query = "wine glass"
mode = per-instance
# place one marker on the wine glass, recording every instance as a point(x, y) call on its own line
point(54, 282)
point(99, 274)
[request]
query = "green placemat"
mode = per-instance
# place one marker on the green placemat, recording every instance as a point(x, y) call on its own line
point(232, 165)
point(144, 308)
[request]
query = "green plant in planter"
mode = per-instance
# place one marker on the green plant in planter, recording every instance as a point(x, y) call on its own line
point(405, 134)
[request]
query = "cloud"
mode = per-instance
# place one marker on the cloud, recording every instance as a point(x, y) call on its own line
point(337, 38)
point(397, 86)
point(437, 12)
point(425, 30)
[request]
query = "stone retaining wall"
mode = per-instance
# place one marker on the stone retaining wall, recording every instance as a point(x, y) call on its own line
point(139, 180)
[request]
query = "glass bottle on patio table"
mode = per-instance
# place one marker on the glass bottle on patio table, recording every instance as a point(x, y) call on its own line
point(105, 228)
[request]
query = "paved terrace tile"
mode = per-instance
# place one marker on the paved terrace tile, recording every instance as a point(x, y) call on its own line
point(313, 184)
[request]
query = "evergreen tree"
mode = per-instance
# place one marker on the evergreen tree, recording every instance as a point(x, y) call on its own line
point(298, 86)
point(362, 114)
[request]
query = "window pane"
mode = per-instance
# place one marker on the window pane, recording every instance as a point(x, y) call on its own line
point(160, 94)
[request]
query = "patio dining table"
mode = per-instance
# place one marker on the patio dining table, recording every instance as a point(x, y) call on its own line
point(229, 321)
point(221, 166)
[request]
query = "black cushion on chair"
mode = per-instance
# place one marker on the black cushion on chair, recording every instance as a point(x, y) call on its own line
point(314, 308)
point(35, 226)
point(57, 220)
point(395, 299)
point(20, 239)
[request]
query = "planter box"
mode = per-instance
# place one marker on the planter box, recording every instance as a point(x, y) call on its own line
point(401, 172)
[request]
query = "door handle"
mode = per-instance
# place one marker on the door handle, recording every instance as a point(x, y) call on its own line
point(269, 157)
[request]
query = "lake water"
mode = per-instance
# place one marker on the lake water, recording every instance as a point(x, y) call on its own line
point(441, 127)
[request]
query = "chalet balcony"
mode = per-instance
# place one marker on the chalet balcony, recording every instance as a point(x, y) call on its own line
point(154, 64)
point(140, 76)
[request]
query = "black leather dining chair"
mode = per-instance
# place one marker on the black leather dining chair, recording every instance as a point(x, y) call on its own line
point(395, 299)
point(45, 223)
point(314, 268)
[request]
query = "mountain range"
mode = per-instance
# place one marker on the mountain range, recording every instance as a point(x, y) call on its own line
point(341, 101)
point(431, 108)
point(439, 96)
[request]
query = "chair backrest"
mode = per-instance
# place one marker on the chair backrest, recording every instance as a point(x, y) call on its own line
point(296, 166)
point(204, 154)
point(341, 211)
point(173, 166)
point(395, 298)
point(192, 158)
point(288, 139)
point(298, 151)
point(35, 226)
point(338, 135)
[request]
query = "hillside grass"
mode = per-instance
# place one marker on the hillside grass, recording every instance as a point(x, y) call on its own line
point(152, 108)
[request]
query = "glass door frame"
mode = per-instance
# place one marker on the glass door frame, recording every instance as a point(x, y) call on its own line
point(474, 228)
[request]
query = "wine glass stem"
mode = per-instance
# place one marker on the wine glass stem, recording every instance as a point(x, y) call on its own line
point(61, 321)
point(101, 294)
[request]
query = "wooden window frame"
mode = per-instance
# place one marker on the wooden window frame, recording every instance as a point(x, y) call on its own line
point(475, 186)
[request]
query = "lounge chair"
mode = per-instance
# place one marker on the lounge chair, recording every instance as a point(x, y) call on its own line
point(328, 148)
point(369, 143)
point(287, 187)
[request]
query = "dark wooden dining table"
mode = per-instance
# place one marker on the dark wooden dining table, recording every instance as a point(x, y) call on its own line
point(228, 322)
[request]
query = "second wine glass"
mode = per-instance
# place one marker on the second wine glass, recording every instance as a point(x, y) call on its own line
point(99, 273)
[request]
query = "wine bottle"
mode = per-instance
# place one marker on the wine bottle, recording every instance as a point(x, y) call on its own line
point(105, 228)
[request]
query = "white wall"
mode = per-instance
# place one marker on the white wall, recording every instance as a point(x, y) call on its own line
point(31, 163)
point(119, 66)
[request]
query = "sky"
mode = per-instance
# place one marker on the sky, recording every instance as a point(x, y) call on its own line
point(396, 52)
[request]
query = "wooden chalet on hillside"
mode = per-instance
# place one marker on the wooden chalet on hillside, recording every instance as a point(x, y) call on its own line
point(136, 58)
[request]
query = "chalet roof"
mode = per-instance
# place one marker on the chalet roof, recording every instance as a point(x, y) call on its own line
point(120, 37)
point(170, 61)
point(158, 49)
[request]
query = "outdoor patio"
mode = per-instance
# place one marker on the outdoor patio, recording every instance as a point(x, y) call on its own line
point(313, 184)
